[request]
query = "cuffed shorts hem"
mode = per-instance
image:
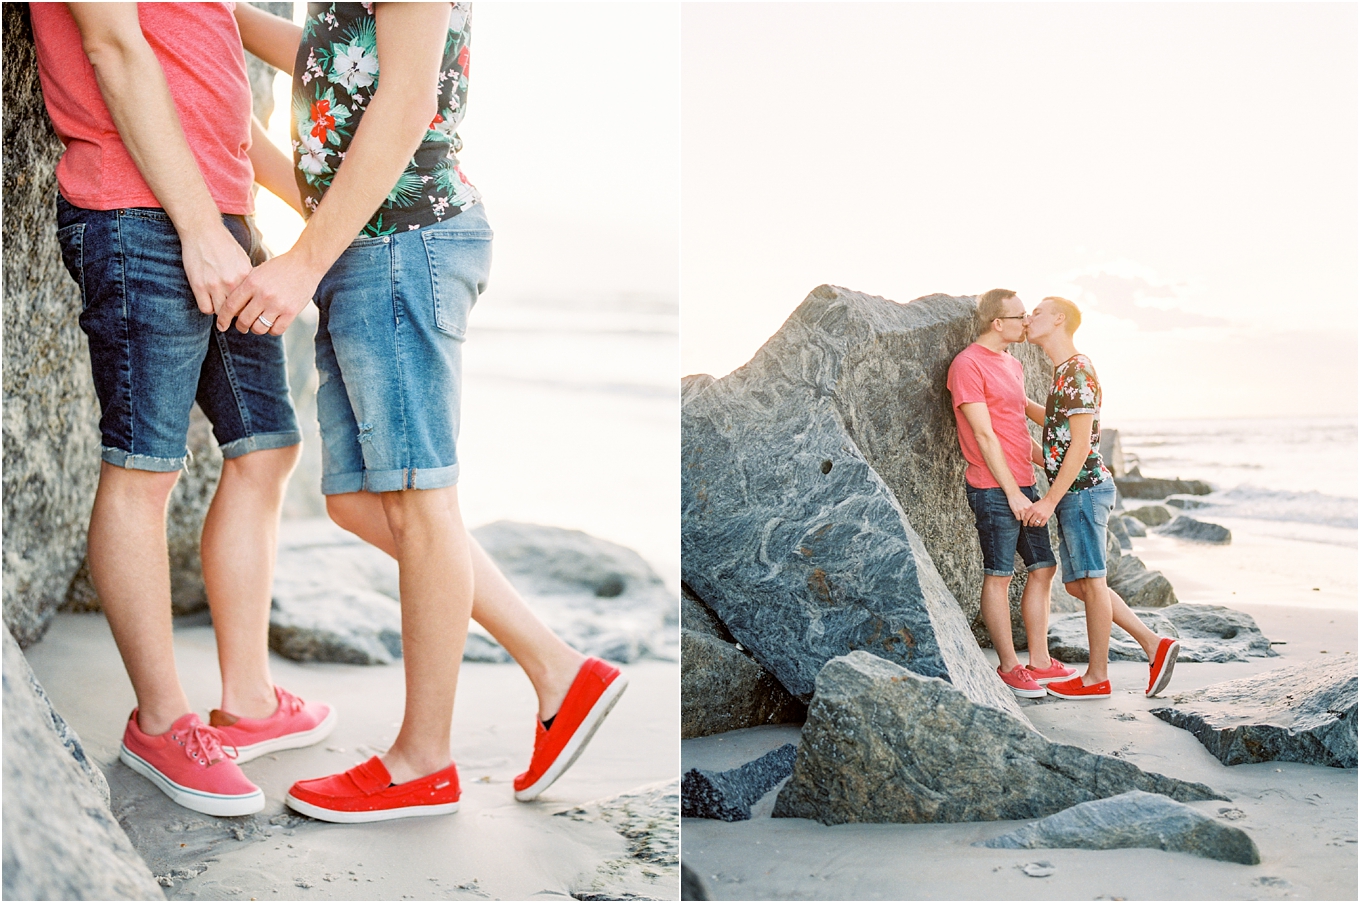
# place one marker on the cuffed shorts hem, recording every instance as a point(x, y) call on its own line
point(1040, 565)
point(389, 480)
point(1082, 575)
point(991, 573)
point(260, 442)
point(119, 458)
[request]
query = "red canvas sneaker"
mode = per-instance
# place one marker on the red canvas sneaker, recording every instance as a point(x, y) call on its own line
point(1020, 683)
point(1056, 670)
point(1074, 689)
point(596, 688)
point(366, 793)
point(294, 724)
point(1162, 664)
point(188, 764)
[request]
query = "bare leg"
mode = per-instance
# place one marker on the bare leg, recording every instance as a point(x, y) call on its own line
point(996, 614)
point(550, 663)
point(131, 571)
point(436, 604)
point(1034, 603)
point(1125, 618)
point(240, 544)
point(1096, 594)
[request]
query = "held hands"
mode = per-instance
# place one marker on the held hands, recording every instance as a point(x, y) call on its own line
point(214, 264)
point(270, 297)
point(1039, 513)
point(1020, 505)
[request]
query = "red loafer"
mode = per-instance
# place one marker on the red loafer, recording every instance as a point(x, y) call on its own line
point(1162, 664)
point(1075, 689)
point(596, 688)
point(366, 793)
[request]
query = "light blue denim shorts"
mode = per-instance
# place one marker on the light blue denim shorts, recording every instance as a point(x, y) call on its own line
point(1082, 520)
point(393, 313)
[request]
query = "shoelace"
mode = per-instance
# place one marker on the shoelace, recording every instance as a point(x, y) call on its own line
point(203, 744)
point(293, 703)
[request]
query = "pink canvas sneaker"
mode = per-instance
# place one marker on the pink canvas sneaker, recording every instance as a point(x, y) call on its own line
point(190, 766)
point(1020, 683)
point(1056, 670)
point(294, 724)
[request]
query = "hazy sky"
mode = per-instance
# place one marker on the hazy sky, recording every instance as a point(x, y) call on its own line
point(573, 137)
point(1187, 173)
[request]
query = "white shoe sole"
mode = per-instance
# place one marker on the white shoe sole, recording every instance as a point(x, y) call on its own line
point(1167, 666)
point(1028, 694)
point(298, 740)
point(577, 744)
point(354, 818)
point(197, 800)
point(1045, 681)
point(1052, 692)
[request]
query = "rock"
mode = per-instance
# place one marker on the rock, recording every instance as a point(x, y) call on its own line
point(696, 616)
point(882, 744)
point(50, 413)
point(1121, 535)
point(728, 795)
point(648, 818)
point(723, 689)
point(336, 598)
point(1154, 488)
point(1112, 451)
point(1208, 633)
point(693, 385)
point(1302, 713)
point(822, 488)
point(1185, 504)
point(600, 597)
point(1151, 515)
point(1185, 527)
point(1130, 820)
point(1131, 579)
point(61, 842)
point(1133, 527)
point(691, 887)
point(1041, 869)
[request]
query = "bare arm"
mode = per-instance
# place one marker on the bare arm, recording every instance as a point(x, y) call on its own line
point(1073, 460)
point(273, 39)
point(138, 98)
point(410, 48)
point(1034, 411)
point(273, 168)
point(980, 420)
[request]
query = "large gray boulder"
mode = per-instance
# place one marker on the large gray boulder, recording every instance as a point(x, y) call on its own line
point(815, 480)
point(729, 795)
point(882, 744)
point(1131, 820)
point(1151, 515)
point(1155, 488)
point(61, 842)
point(1303, 713)
point(51, 415)
point(1128, 576)
point(1188, 528)
point(723, 689)
point(1207, 633)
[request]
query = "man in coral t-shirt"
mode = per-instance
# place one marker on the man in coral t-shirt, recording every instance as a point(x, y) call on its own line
point(988, 387)
point(153, 106)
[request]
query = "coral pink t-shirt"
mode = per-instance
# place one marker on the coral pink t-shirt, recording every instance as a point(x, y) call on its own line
point(978, 374)
point(199, 49)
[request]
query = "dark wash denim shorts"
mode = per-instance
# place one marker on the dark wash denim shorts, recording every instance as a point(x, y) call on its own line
point(1001, 535)
point(153, 353)
point(389, 353)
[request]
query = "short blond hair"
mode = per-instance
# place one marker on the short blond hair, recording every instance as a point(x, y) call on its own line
point(1071, 313)
point(991, 304)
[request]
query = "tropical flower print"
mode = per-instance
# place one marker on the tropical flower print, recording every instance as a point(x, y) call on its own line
point(1075, 390)
point(336, 75)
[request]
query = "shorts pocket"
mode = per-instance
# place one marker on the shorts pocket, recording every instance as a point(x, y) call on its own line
point(459, 263)
point(72, 241)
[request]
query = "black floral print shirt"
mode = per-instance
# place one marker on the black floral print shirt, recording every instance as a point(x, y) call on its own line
point(335, 78)
point(1075, 390)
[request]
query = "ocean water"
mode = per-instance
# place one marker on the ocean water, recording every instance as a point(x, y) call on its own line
point(1296, 477)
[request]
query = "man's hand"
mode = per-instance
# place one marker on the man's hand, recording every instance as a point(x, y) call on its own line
point(276, 290)
point(215, 264)
point(1039, 513)
point(1020, 505)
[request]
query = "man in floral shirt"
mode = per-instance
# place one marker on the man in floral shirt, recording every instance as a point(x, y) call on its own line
point(1082, 493)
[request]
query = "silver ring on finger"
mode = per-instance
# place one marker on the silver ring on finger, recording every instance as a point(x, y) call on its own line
point(268, 323)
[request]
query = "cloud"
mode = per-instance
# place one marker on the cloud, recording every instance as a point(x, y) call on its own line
point(1125, 297)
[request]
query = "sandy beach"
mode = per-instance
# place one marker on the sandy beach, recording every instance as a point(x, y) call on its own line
point(492, 848)
point(1302, 817)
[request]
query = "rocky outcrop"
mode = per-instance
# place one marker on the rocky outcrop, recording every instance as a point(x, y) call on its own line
point(1120, 533)
point(336, 598)
point(723, 689)
point(648, 818)
point(1303, 713)
point(61, 842)
point(1154, 488)
point(1186, 504)
point(51, 415)
point(882, 744)
point(1187, 528)
point(1133, 527)
point(728, 795)
point(1207, 633)
point(1131, 579)
point(1151, 515)
point(1131, 820)
point(822, 494)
